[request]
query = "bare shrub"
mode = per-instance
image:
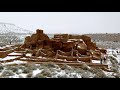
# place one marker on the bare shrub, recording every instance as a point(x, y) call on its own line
point(100, 74)
point(64, 67)
point(7, 73)
point(29, 75)
point(50, 65)
point(114, 69)
point(1, 67)
point(30, 66)
point(85, 67)
point(87, 74)
point(12, 68)
point(113, 60)
point(117, 75)
point(39, 75)
point(46, 72)
point(79, 70)
point(93, 70)
point(114, 55)
point(62, 76)
point(26, 70)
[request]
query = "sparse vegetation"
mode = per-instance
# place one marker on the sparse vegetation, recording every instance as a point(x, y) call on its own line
point(29, 75)
point(7, 73)
point(46, 73)
point(39, 75)
point(1, 67)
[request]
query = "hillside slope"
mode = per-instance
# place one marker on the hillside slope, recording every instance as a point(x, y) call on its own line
point(12, 28)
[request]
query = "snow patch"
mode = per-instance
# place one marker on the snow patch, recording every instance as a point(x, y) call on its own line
point(14, 62)
point(23, 75)
point(95, 61)
point(28, 54)
point(8, 58)
point(35, 72)
point(13, 53)
point(24, 58)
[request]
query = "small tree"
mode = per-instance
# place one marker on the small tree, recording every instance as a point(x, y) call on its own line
point(12, 39)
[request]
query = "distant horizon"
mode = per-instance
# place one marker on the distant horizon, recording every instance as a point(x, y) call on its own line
point(60, 33)
point(65, 22)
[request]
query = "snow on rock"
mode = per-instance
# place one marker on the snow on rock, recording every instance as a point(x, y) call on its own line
point(14, 62)
point(24, 58)
point(95, 61)
point(8, 58)
point(13, 53)
point(28, 54)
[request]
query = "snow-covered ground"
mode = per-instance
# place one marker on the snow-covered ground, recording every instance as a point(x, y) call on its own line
point(113, 52)
point(55, 71)
point(14, 62)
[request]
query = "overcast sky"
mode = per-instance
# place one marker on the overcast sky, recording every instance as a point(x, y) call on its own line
point(65, 22)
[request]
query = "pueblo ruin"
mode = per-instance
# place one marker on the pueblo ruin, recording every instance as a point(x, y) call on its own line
point(63, 46)
point(61, 49)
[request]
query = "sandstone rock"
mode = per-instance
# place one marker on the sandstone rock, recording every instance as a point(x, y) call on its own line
point(86, 38)
point(3, 54)
point(67, 46)
point(39, 31)
point(64, 42)
point(62, 37)
point(91, 45)
point(74, 36)
point(27, 39)
point(34, 38)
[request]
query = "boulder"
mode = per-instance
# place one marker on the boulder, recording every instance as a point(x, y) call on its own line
point(86, 38)
point(91, 45)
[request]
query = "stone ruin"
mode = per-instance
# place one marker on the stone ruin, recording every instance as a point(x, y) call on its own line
point(63, 46)
point(73, 50)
